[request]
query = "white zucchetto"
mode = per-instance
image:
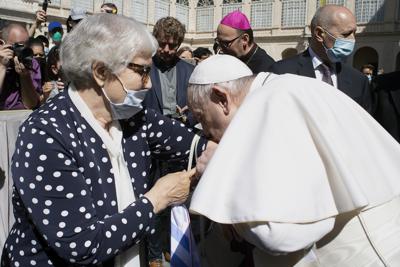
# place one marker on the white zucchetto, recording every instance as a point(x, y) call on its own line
point(209, 70)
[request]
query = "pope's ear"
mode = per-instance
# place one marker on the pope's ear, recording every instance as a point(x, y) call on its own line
point(221, 96)
point(99, 73)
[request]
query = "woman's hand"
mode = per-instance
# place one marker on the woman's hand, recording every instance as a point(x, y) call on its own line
point(170, 189)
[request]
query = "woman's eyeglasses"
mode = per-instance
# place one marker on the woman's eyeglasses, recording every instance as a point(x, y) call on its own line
point(143, 71)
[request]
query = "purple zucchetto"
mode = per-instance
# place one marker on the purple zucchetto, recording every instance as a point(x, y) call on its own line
point(236, 20)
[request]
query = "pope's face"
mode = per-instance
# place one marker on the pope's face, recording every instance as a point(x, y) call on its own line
point(212, 117)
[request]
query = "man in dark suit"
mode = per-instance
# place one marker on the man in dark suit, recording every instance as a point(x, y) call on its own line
point(387, 109)
point(332, 41)
point(235, 38)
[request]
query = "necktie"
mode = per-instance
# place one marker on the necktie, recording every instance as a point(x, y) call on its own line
point(183, 246)
point(326, 74)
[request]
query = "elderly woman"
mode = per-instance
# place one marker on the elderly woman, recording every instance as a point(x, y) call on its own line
point(81, 187)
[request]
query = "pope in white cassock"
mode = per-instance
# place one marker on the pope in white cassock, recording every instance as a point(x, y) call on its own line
point(301, 171)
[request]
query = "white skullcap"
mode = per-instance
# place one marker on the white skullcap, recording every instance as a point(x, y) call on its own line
point(219, 68)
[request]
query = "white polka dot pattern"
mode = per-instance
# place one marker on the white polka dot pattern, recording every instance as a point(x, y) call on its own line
point(64, 179)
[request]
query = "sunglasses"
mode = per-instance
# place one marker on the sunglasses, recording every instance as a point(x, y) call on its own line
point(143, 71)
point(226, 44)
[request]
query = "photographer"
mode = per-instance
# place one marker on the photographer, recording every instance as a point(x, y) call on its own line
point(19, 73)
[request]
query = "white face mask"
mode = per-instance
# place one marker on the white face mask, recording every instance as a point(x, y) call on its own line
point(131, 105)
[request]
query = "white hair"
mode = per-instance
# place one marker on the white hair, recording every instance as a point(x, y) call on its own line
point(113, 40)
point(200, 93)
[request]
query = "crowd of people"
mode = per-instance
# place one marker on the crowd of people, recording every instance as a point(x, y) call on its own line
point(288, 152)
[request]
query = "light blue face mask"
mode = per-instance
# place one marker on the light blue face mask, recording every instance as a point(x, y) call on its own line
point(342, 48)
point(369, 76)
point(131, 105)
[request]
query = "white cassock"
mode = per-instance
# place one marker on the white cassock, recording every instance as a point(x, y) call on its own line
point(302, 164)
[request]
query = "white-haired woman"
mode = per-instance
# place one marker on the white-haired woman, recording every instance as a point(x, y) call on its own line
point(81, 188)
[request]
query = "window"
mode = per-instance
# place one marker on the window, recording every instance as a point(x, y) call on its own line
point(182, 11)
point(138, 10)
point(84, 4)
point(54, 2)
point(261, 14)
point(161, 9)
point(369, 10)
point(205, 16)
point(330, 2)
point(231, 5)
point(293, 13)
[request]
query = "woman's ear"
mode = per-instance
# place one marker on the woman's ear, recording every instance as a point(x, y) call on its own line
point(99, 72)
point(221, 97)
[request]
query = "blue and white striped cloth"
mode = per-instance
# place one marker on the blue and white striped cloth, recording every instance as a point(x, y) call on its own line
point(183, 246)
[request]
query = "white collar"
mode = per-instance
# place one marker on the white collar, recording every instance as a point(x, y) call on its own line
point(112, 139)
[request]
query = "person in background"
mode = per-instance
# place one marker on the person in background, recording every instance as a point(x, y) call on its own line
point(185, 52)
point(109, 8)
point(38, 53)
point(55, 83)
point(76, 15)
point(45, 43)
point(56, 32)
point(20, 77)
point(201, 53)
point(333, 30)
point(81, 191)
point(368, 70)
point(235, 37)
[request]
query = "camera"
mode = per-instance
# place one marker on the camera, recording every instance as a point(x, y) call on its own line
point(24, 54)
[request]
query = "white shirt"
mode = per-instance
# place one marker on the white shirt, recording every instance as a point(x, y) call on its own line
point(316, 61)
point(123, 185)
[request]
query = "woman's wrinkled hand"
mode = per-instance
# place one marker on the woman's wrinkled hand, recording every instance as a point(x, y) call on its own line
point(170, 189)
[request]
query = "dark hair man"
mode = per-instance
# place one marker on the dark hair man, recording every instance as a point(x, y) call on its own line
point(368, 70)
point(201, 53)
point(235, 38)
point(20, 79)
point(332, 40)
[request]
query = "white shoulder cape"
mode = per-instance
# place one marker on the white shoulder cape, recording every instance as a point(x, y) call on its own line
point(297, 151)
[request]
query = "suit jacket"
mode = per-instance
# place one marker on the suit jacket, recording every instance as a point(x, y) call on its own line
point(154, 96)
point(387, 108)
point(350, 81)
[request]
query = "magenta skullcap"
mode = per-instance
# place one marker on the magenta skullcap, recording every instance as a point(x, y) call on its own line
point(236, 20)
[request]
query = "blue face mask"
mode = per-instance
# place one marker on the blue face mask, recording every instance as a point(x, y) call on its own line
point(342, 48)
point(369, 76)
point(131, 105)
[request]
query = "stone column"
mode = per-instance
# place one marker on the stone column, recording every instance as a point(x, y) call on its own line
point(217, 13)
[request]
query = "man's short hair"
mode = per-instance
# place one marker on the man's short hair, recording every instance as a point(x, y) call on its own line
point(35, 42)
point(112, 6)
point(201, 52)
point(169, 27)
point(43, 39)
point(368, 66)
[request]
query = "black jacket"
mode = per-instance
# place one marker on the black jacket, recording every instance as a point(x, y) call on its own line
point(350, 81)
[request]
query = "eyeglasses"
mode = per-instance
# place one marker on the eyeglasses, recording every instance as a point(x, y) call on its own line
point(171, 46)
point(143, 71)
point(226, 44)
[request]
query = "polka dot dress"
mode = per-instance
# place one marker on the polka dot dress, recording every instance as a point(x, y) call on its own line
point(64, 195)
